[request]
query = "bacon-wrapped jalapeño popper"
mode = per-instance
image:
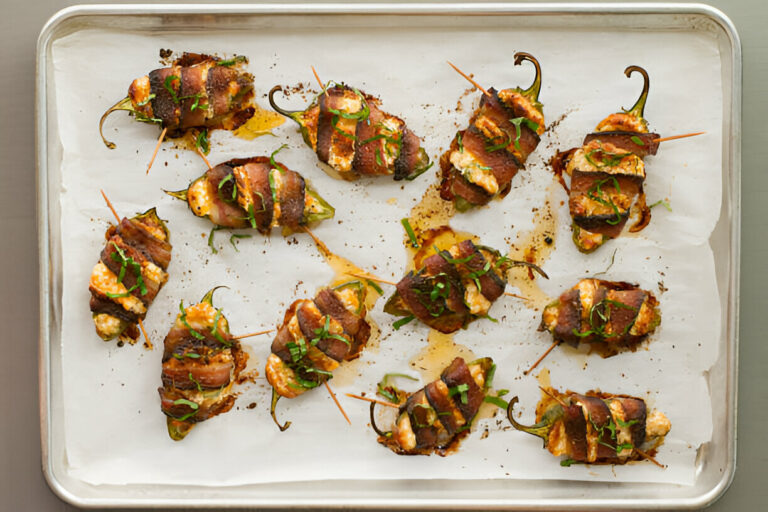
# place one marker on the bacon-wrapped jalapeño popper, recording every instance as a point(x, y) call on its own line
point(349, 133)
point(435, 418)
point(502, 133)
point(197, 92)
point(130, 272)
point(609, 313)
point(452, 287)
point(595, 428)
point(607, 174)
point(316, 336)
point(201, 361)
point(258, 193)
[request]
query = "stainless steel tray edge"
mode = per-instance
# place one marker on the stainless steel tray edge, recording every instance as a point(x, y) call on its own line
point(47, 266)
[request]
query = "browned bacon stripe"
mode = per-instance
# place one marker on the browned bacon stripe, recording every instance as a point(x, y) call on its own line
point(458, 374)
point(163, 105)
point(355, 326)
point(624, 142)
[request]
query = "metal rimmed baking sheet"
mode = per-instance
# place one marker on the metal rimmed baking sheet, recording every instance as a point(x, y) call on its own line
point(716, 457)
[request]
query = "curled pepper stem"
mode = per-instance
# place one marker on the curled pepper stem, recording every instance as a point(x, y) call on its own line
point(540, 429)
point(123, 104)
point(287, 113)
point(208, 297)
point(639, 106)
point(178, 194)
point(532, 266)
point(275, 398)
point(375, 428)
point(533, 91)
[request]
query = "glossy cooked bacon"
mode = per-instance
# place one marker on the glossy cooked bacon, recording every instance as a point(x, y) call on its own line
point(595, 427)
point(130, 273)
point(201, 361)
point(607, 175)
point(315, 337)
point(452, 288)
point(255, 192)
point(350, 133)
point(435, 418)
point(484, 158)
point(595, 311)
point(197, 91)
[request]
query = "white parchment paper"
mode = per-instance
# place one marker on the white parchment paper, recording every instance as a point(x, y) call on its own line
point(115, 432)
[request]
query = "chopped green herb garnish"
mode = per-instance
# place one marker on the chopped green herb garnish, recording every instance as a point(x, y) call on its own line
point(272, 185)
point(149, 98)
point(197, 104)
point(460, 390)
point(210, 239)
point(407, 319)
point(125, 262)
point(236, 235)
point(375, 286)
point(201, 141)
point(183, 319)
point(197, 383)
point(323, 333)
point(229, 177)
point(459, 142)
point(192, 405)
point(411, 234)
point(503, 144)
point(214, 330)
point(453, 261)
point(232, 61)
point(596, 193)
point(663, 203)
point(377, 152)
point(517, 121)
point(637, 140)
point(168, 84)
point(566, 463)
point(497, 401)
point(272, 161)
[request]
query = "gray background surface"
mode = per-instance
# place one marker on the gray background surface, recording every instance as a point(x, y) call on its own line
point(22, 486)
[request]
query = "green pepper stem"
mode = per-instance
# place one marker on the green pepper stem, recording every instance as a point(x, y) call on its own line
point(178, 194)
point(541, 429)
point(639, 106)
point(275, 398)
point(375, 428)
point(532, 92)
point(208, 297)
point(326, 210)
point(536, 268)
point(293, 114)
point(123, 104)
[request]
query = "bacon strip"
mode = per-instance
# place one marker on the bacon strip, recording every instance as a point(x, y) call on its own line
point(630, 312)
point(139, 271)
point(324, 351)
point(435, 418)
point(623, 141)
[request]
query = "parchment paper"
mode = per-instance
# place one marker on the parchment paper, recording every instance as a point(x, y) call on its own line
point(115, 432)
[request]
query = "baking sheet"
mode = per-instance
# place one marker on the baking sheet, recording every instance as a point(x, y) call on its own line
point(122, 439)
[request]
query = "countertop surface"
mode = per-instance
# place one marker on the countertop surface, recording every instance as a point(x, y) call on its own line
point(22, 485)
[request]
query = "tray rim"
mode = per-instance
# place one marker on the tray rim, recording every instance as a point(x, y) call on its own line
point(731, 194)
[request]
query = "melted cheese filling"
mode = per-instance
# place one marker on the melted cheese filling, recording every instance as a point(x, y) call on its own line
point(105, 281)
point(469, 166)
point(199, 197)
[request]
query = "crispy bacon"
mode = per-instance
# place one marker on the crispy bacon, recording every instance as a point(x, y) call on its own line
point(615, 314)
point(255, 192)
point(351, 134)
point(435, 418)
point(484, 158)
point(315, 337)
point(201, 362)
point(595, 427)
point(129, 275)
point(452, 288)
